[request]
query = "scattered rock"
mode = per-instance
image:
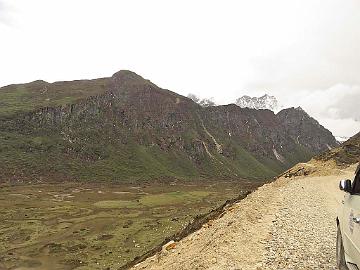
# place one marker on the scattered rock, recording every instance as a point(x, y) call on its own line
point(169, 246)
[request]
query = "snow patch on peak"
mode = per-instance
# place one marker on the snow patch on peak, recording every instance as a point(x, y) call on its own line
point(258, 103)
point(341, 139)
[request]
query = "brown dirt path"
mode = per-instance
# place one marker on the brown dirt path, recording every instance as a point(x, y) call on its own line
point(288, 224)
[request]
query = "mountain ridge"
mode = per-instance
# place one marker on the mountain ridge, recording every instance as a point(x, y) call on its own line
point(125, 128)
point(346, 154)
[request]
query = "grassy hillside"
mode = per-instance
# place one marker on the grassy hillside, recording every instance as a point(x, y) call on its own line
point(20, 98)
point(49, 156)
point(125, 128)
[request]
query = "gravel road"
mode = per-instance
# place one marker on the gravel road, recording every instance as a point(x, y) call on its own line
point(304, 230)
point(288, 224)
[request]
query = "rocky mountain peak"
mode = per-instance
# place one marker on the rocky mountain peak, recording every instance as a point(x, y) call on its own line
point(125, 81)
point(300, 109)
point(259, 103)
point(297, 114)
point(127, 75)
point(129, 78)
point(305, 130)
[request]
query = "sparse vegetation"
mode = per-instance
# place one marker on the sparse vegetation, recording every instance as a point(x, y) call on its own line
point(95, 226)
point(346, 154)
point(22, 98)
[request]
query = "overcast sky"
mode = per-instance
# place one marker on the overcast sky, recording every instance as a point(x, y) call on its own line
point(305, 52)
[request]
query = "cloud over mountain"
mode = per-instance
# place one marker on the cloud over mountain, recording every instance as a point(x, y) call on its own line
point(304, 52)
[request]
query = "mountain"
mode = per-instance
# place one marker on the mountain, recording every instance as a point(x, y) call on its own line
point(301, 128)
point(125, 128)
point(341, 139)
point(205, 102)
point(346, 154)
point(259, 103)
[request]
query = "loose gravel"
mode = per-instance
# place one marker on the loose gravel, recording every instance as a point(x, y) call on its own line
point(303, 233)
point(286, 225)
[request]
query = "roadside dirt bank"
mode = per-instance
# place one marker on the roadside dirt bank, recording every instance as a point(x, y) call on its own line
point(195, 225)
point(287, 224)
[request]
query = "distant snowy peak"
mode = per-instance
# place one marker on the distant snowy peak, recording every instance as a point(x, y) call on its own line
point(259, 103)
point(341, 139)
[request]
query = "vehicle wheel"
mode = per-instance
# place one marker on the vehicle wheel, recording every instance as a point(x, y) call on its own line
point(340, 253)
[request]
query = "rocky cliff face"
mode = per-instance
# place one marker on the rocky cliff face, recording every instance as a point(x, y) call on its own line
point(130, 130)
point(305, 130)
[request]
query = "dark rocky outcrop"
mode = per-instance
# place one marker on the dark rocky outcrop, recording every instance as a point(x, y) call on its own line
point(346, 154)
point(305, 130)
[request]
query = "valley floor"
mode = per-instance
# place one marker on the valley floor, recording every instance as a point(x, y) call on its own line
point(288, 224)
point(98, 226)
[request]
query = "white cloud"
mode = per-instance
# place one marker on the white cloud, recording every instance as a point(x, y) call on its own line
point(335, 107)
point(292, 49)
point(346, 126)
point(5, 13)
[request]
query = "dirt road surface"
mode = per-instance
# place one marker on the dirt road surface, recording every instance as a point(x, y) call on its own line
point(288, 224)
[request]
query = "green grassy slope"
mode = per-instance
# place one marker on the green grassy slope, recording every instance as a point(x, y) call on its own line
point(18, 98)
point(125, 128)
point(48, 156)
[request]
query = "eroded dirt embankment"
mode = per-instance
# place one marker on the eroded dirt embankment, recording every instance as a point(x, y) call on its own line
point(287, 224)
point(193, 226)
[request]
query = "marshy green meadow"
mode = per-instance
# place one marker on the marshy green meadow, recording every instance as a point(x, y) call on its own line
point(95, 225)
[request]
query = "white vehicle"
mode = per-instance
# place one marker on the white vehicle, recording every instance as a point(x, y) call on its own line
point(348, 224)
